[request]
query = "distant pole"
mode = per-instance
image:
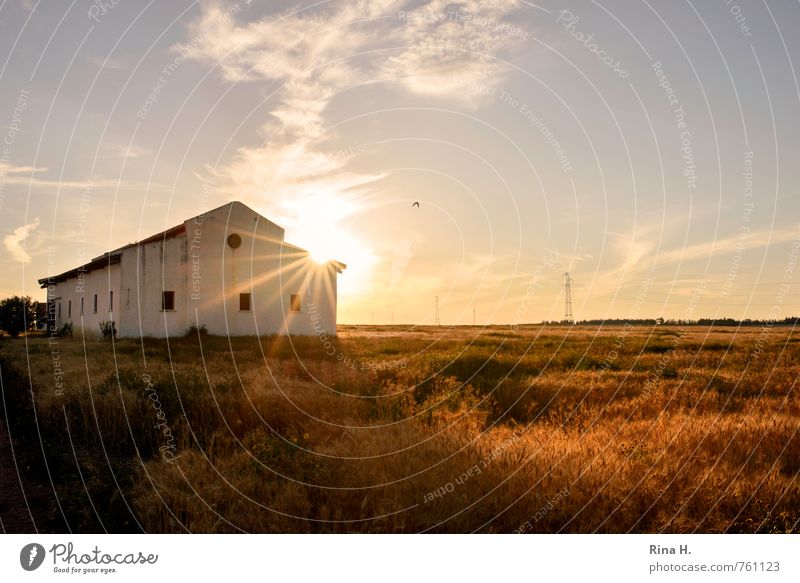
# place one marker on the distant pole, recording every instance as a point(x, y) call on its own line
point(473, 316)
point(568, 297)
point(436, 321)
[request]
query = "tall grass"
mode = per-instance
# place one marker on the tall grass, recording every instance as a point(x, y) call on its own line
point(433, 430)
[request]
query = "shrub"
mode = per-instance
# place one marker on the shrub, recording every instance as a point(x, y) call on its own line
point(108, 330)
point(65, 331)
point(17, 314)
point(193, 330)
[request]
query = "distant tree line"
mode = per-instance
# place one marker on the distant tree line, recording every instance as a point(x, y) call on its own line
point(790, 321)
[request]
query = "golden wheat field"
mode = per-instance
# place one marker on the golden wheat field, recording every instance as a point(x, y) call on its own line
point(540, 429)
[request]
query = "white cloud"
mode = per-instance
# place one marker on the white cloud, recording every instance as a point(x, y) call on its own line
point(730, 245)
point(13, 242)
point(440, 49)
point(6, 169)
point(450, 48)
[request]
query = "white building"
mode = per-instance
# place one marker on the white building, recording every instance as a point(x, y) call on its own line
point(228, 269)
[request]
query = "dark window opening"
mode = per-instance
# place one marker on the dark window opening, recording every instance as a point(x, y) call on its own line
point(69, 309)
point(167, 301)
point(111, 301)
point(244, 302)
point(81, 306)
point(59, 309)
point(94, 304)
point(295, 301)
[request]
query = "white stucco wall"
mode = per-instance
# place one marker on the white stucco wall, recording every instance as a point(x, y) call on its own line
point(98, 282)
point(263, 267)
point(208, 276)
point(148, 270)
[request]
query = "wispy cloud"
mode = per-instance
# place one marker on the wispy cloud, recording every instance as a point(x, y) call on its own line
point(636, 259)
point(450, 48)
point(727, 246)
point(316, 55)
point(437, 48)
point(29, 176)
point(7, 169)
point(13, 242)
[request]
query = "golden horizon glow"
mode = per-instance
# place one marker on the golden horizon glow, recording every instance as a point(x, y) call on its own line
point(320, 229)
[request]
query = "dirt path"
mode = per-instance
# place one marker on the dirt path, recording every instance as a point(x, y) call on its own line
point(25, 510)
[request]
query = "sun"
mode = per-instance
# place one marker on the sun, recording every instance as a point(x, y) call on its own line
point(319, 229)
point(319, 254)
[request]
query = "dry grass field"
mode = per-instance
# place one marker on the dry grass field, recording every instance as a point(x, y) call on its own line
point(538, 429)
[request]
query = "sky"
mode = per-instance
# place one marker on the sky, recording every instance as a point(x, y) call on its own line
point(647, 148)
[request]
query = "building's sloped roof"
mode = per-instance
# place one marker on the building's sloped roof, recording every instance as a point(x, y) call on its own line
point(110, 258)
point(96, 263)
point(113, 257)
point(162, 236)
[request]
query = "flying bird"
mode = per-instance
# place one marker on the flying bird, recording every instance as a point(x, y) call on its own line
point(416, 204)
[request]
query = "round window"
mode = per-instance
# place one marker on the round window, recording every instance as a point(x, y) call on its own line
point(234, 241)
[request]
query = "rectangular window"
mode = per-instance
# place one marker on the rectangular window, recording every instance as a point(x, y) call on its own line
point(295, 301)
point(59, 310)
point(244, 302)
point(167, 301)
point(81, 306)
point(94, 304)
point(69, 309)
point(111, 301)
